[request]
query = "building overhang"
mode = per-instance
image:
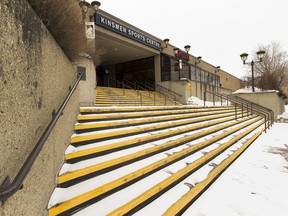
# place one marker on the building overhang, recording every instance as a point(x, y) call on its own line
point(117, 41)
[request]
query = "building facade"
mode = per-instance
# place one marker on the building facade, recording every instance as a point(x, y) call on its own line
point(125, 52)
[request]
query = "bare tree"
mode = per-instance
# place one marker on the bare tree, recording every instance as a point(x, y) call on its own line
point(272, 73)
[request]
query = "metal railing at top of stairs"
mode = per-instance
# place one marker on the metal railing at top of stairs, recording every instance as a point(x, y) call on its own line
point(124, 86)
point(158, 88)
point(8, 188)
point(137, 85)
point(251, 107)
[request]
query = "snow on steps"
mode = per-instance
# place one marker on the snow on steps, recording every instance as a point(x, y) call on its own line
point(154, 157)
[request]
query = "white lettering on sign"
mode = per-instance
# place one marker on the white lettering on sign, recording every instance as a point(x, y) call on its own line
point(128, 32)
point(136, 35)
point(113, 25)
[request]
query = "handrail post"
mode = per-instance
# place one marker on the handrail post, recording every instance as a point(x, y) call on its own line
point(265, 124)
point(123, 87)
point(235, 111)
point(227, 99)
point(140, 98)
point(204, 98)
point(247, 107)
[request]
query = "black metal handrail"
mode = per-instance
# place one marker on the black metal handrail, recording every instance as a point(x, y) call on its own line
point(168, 90)
point(124, 85)
point(160, 88)
point(8, 188)
point(139, 86)
point(268, 114)
point(254, 106)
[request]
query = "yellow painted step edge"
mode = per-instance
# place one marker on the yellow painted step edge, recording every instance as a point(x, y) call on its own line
point(85, 171)
point(83, 138)
point(136, 114)
point(143, 139)
point(141, 120)
point(65, 206)
point(174, 177)
point(94, 168)
point(200, 187)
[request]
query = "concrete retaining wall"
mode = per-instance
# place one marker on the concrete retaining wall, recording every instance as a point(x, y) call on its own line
point(270, 100)
point(35, 76)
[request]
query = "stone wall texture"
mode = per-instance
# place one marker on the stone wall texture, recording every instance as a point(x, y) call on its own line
point(35, 76)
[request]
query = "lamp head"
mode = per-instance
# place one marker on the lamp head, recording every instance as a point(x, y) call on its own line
point(244, 57)
point(166, 42)
point(261, 55)
point(217, 69)
point(176, 50)
point(96, 5)
point(84, 6)
point(187, 48)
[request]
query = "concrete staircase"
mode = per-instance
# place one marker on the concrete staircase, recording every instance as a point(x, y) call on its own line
point(109, 96)
point(131, 160)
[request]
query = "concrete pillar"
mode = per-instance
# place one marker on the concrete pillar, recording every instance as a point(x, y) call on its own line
point(87, 86)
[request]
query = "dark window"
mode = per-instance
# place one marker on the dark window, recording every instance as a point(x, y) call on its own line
point(193, 72)
point(186, 71)
point(165, 68)
point(141, 70)
point(175, 69)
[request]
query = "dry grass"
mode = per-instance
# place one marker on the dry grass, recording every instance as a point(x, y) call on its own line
point(63, 19)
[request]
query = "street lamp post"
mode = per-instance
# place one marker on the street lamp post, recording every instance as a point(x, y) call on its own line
point(198, 60)
point(244, 57)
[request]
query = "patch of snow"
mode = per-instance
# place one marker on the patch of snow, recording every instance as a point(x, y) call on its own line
point(198, 102)
point(249, 90)
point(284, 115)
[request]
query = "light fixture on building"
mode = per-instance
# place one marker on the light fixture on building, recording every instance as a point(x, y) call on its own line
point(198, 60)
point(96, 5)
point(166, 42)
point(244, 57)
point(217, 69)
point(187, 48)
point(84, 6)
point(176, 51)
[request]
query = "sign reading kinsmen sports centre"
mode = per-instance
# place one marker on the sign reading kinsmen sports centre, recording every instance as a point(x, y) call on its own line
point(127, 32)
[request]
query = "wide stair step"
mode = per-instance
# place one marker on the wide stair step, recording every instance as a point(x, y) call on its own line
point(131, 160)
point(109, 96)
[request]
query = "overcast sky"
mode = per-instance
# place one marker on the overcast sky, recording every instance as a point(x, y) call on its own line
point(219, 31)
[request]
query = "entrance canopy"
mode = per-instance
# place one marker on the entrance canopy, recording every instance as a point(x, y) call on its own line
point(117, 41)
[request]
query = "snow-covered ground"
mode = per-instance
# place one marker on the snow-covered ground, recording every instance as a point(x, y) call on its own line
point(256, 184)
